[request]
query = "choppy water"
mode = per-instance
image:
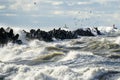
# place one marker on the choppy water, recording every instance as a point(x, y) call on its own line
point(86, 58)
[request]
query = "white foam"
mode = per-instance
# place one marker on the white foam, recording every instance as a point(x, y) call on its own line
point(75, 54)
point(117, 40)
point(69, 67)
point(92, 73)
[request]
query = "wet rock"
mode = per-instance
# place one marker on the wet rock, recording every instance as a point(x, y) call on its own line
point(59, 34)
point(82, 32)
point(17, 41)
point(98, 32)
point(8, 36)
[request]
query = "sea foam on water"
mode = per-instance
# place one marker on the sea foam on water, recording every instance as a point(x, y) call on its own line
point(60, 60)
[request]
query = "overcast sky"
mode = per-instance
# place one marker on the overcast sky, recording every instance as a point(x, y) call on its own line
point(57, 13)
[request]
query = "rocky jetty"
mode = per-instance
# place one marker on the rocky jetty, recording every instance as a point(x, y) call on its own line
point(7, 35)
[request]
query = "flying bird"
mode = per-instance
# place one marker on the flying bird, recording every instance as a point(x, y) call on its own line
point(90, 11)
point(34, 3)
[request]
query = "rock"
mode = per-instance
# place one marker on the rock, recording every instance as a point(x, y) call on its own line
point(17, 41)
point(81, 32)
point(98, 32)
point(8, 36)
point(58, 34)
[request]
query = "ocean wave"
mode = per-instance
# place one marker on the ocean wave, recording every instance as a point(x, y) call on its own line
point(84, 58)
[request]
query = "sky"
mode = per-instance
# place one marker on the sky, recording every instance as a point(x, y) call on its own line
point(57, 13)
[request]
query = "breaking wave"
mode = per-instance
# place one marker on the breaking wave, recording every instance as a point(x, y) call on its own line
point(85, 58)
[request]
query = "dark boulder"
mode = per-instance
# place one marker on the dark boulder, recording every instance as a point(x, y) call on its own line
point(18, 42)
point(8, 36)
point(98, 32)
point(15, 37)
point(82, 32)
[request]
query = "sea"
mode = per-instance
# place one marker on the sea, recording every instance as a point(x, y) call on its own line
point(85, 58)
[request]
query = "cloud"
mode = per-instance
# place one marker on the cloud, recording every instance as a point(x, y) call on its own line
point(23, 5)
point(90, 2)
point(33, 5)
point(36, 15)
point(77, 2)
point(58, 12)
point(10, 14)
point(75, 13)
point(61, 10)
point(56, 3)
point(116, 16)
point(2, 7)
point(36, 22)
point(103, 1)
point(84, 3)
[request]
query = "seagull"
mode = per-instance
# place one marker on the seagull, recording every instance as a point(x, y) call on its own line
point(90, 11)
point(34, 3)
point(65, 27)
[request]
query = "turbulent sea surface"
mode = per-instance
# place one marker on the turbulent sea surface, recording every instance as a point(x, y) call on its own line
point(85, 58)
